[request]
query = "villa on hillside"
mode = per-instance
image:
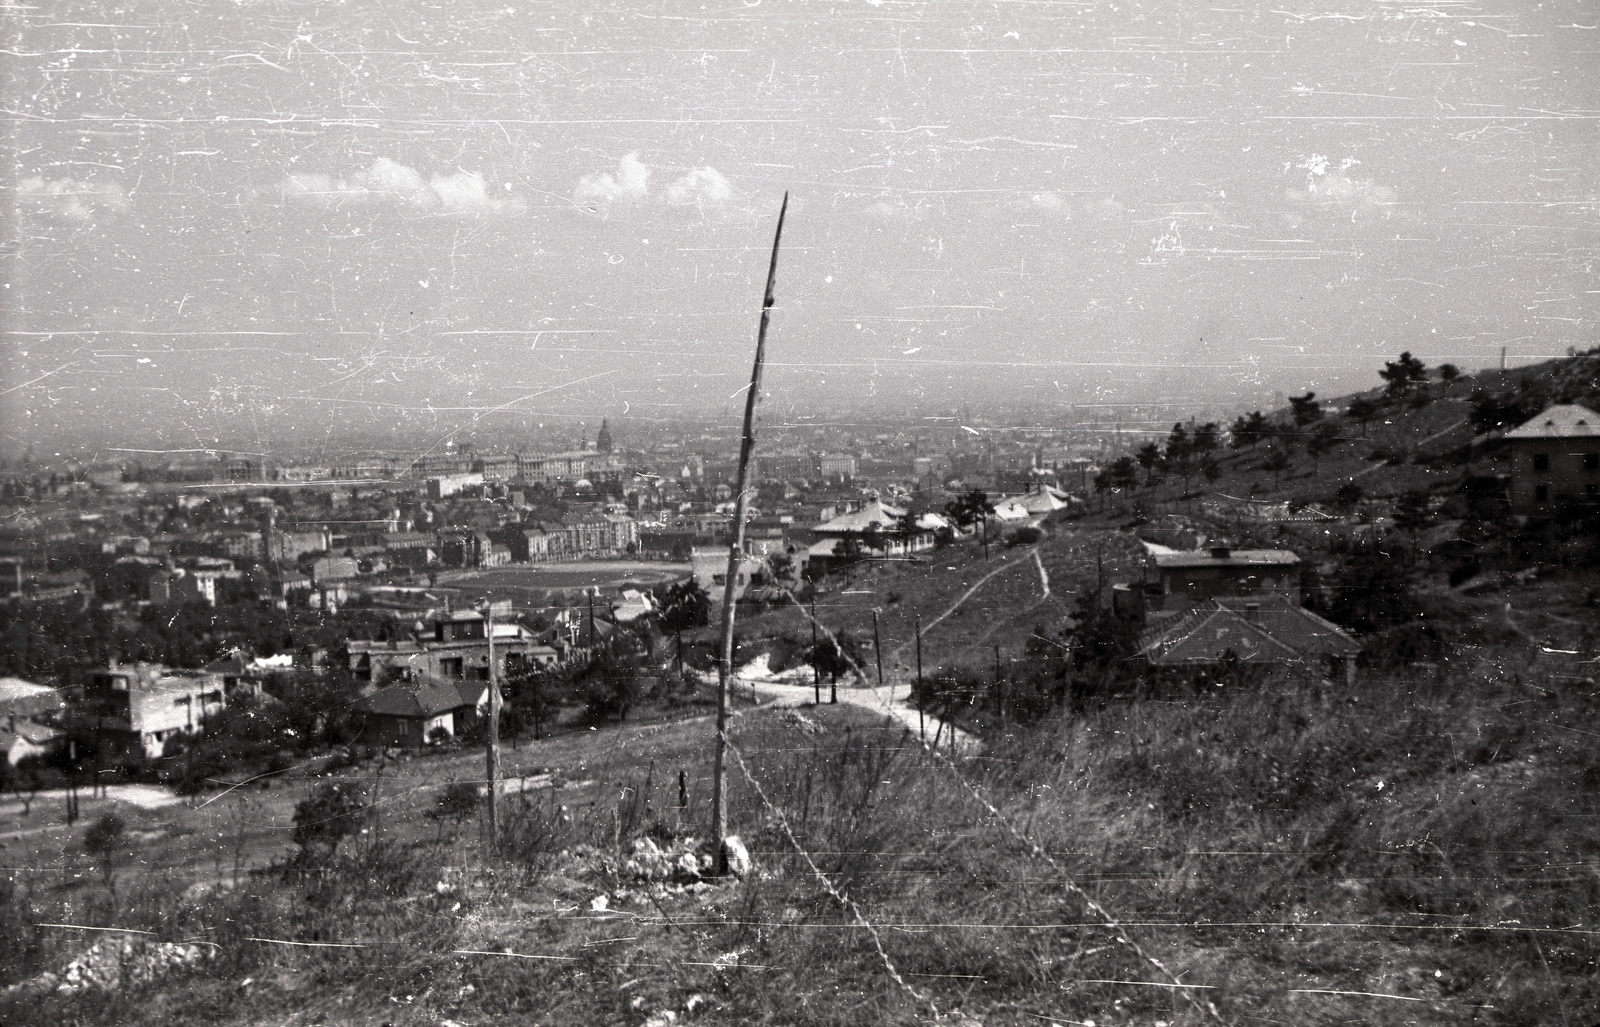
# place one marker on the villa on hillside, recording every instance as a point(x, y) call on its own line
point(872, 530)
point(136, 709)
point(413, 713)
point(1182, 578)
point(1555, 460)
point(1031, 508)
point(1234, 636)
point(453, 647)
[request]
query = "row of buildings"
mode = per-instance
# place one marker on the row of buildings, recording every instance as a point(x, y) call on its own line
point(421, 688)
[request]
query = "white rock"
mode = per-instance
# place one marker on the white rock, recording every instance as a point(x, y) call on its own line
point(735, 856)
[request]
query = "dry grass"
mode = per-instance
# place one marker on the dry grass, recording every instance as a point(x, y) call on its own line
point(1244, 838)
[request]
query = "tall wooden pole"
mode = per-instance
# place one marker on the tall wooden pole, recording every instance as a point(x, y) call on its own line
point(816, 672)
point(492, 751)
point(719, 782)
point(922, 727)
point(877, 647)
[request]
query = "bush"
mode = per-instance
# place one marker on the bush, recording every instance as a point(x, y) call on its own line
point(105, 840)
point(1026, 535)
point(333, 811)
point(612, 693)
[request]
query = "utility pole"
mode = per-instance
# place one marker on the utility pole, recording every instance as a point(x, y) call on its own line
point(922, 727)
point(492, 750)
point(816, 673)
point(999, 688)
point(877, 648)
point(719, 780)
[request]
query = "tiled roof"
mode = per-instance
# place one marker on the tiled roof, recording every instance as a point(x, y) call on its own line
point(428, 699)
point(1564, 421)
point(1208, 636)
point(1295, 626)
point(1274, 632)
point(875, 511)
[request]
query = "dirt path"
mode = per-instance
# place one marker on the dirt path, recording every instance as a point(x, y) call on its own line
point(891, 699)
point(1005, 565)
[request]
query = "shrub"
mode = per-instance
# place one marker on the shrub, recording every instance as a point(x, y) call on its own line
point(105, 841)
point(1026, 535)
point(533, 832)
point(333, 811)
point(612, 693)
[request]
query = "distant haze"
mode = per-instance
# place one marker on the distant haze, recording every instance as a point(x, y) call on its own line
point(240, 220)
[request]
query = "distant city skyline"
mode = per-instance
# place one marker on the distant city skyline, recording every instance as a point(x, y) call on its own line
point(251, 225)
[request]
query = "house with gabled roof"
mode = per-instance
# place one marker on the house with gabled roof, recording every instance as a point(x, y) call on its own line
point(1555, 461)
point(875, 525)
point(412, 713)
point(1031, 508)
point(1267, 634)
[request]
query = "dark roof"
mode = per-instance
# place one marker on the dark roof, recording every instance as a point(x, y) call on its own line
point(1294, 626)
point(1208, 636)
point(1275, 631)
point(428, 699)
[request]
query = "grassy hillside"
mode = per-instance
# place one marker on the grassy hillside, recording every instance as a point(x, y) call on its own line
point(967, 604)
point(1418, 850)
point(1408, 443)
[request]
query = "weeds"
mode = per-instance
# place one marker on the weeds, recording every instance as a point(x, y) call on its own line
point(1258, 841)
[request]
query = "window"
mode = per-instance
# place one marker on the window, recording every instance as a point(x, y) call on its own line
point(1541, 494)
point(450, 667)
point(1541, 461)
point(1591, 461)
point(1592, 490)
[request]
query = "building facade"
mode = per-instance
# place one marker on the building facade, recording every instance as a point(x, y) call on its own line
point(1555, 461)
point(138, 708)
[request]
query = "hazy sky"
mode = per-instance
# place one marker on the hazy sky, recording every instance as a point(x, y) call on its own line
point(234, 218)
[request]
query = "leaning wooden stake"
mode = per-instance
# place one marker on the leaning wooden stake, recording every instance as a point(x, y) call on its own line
point(719, 785)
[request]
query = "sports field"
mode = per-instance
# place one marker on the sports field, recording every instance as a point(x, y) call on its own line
point(532, 584)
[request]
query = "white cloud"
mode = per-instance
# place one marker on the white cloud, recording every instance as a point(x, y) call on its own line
point(1329, 187)
point(630, 183)
point(701, 186)
point(394, 178)
point(461, 192)
point(71, 199)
